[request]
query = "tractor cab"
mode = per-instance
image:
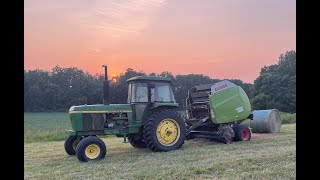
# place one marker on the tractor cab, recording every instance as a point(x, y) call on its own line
point(150, 89)
point(146, 93)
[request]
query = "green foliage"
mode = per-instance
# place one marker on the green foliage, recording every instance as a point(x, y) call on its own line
point(59, 89)
point(260, 101)
point(288, 118)
point(276, 85)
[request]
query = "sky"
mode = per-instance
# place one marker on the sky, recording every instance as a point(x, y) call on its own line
point(230, 39)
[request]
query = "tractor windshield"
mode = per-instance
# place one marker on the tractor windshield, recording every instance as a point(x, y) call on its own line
point(159, 92)
point(162, 92)
point(139, 92)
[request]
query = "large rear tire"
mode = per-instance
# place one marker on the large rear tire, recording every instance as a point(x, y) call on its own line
point(242, 133)
point(91, 148)
point(165, 130)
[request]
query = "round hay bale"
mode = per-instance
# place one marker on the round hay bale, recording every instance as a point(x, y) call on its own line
point(266, 121)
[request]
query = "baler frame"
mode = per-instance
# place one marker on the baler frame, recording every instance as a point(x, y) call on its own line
point(198, 116)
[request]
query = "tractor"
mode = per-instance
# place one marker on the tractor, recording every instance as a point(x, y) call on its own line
point(151, 117)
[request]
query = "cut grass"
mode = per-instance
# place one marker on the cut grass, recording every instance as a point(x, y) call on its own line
point(266, 156)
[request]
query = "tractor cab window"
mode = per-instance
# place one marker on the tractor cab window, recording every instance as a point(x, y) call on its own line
point(139, 92)
point(162, 92)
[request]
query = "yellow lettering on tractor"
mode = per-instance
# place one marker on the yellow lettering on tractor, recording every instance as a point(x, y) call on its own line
point(105, 111)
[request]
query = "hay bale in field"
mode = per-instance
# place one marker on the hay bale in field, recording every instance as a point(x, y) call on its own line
point(266, 121)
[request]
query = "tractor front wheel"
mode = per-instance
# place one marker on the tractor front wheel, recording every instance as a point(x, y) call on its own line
point(242, 133)
point(165, 130)
point(91, 148)
point(70, 144)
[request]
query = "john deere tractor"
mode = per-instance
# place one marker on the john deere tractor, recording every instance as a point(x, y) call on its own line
point(150, 119)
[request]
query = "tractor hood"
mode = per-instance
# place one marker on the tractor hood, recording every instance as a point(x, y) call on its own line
point(100, 108)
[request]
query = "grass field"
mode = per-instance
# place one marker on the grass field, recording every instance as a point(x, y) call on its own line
point(266, 156)
point(42, 127)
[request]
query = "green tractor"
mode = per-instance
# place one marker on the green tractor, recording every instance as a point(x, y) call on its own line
point(151, 118)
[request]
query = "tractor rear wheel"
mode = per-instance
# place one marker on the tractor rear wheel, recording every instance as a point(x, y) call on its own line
point(70, 144)
point(137, 142)
point(242, 133)
point(91, 148)
point(165, 130)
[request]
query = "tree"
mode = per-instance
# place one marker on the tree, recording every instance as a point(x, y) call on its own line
point(35, 87)
point(73, 86)
point(276, 85)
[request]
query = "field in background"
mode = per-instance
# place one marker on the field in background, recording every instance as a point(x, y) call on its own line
point(266, 156)
point(41, 127)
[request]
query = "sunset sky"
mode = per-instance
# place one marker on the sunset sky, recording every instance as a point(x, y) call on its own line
point(217, 38)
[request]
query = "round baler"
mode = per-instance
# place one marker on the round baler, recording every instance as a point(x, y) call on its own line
point(216, 111)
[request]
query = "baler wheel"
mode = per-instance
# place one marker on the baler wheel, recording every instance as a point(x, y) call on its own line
point(226, 138)
point(137, 143)
point(242, 133)
point(165, 130)
point(91, 148)
point(70, 144)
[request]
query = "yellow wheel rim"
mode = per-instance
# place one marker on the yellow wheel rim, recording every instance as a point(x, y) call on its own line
point(168, 132)
point(92, 151)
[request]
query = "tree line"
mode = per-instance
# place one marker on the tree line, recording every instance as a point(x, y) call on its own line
point(57, 90)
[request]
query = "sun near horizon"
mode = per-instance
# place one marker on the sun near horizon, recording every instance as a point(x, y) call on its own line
point(219, 39)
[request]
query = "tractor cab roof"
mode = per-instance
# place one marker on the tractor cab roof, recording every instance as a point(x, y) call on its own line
point(149, 78)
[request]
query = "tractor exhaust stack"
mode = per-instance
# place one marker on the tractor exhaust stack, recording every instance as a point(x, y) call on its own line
point(106, 90)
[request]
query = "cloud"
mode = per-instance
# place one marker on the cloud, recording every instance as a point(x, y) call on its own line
point(116, 18)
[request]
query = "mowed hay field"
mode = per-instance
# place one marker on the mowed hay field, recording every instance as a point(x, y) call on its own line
point(266, 156)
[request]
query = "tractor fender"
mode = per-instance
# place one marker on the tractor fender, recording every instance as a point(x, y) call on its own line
point(71, 133)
